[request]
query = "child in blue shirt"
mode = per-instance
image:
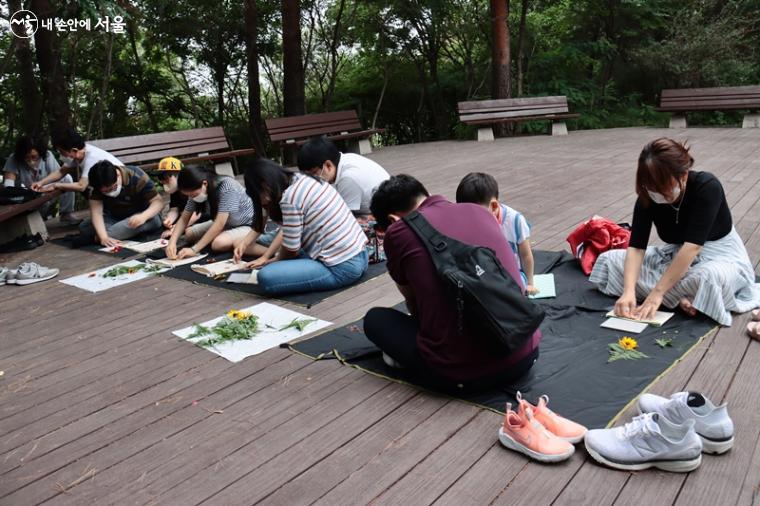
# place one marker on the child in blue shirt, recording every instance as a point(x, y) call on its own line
point(482, 189)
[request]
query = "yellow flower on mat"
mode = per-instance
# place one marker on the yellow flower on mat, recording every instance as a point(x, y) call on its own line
point(628, 343)
point(238, 315)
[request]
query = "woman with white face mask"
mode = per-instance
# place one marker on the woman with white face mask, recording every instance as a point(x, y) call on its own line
point(230, 208)
point(703, 266)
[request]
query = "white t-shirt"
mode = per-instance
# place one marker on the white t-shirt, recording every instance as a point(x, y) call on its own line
point(93, 155)
point(357, 179)
point(515, 228)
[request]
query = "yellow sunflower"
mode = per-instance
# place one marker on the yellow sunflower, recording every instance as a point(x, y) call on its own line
point(628, 343)
point(238, 315)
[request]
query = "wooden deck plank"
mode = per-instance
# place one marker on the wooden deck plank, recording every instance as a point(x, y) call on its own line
point(113, 397)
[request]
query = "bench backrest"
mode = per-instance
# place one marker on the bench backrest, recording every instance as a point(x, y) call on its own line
point(292, 128)
point(141, 149)
point(483, 110)
point(711, 99)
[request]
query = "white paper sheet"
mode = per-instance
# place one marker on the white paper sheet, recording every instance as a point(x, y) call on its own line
point(658, 320)
point(624, 325)
point(115, 249)
point(245, 278)
point(271, 318)
point(95, 282)
point(165, 262)
point(147, 247)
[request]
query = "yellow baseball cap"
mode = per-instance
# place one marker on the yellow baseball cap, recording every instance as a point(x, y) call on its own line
point(169, 164)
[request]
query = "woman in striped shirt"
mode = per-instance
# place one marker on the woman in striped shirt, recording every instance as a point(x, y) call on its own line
point(321, 247)
point(230, 208)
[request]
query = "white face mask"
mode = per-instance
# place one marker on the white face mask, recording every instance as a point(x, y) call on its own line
point(659, 198)
point(67, 160)
point(170, 186)
point(200, 199)
point(114, 193)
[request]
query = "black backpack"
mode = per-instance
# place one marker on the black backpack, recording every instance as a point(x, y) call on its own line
point(489, 301)
point(16, 195)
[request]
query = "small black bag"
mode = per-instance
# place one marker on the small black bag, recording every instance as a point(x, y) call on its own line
point(489, 301)
point(16, 195)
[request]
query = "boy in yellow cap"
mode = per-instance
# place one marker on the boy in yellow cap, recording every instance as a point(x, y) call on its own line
point(166, 173)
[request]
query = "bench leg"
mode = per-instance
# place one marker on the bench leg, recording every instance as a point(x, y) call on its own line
point(224, 169)
point(485, 134)
point(359, 146)
point(559, 128)
point(677, 121)
point(28, 223)
point(751, 120)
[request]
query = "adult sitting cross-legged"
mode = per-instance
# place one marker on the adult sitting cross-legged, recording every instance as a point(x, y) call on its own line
point(703, 266)
point(430, 342)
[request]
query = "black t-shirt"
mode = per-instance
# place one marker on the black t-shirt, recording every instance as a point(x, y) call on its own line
point(178, 200)
point(704, 215)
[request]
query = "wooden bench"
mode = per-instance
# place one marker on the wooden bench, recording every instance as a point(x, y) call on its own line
point(336, 126)
point(19, 219)
point(486, 113)
point(681, 101)
point(190, 146)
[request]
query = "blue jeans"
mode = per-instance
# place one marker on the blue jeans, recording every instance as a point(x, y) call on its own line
point(306, 275)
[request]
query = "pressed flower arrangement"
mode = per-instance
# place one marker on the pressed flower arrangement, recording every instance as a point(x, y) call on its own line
point(625, 349)
point(121, 270)
point(236, 326)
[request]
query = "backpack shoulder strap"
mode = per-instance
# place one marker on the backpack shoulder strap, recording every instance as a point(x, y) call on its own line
point(434, 241)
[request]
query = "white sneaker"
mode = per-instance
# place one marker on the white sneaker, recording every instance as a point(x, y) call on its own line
point(31, 272)
point(711, 423)
point(648, 440)
point(3, 275)
point(390, 362)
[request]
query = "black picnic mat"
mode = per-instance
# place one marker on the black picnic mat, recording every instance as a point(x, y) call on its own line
point(307, 299)
point(572, 367)
point(74, 241)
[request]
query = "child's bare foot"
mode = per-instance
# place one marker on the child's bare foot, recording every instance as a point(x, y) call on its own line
point(753, 330)
point(686, 307)
point(756, 315)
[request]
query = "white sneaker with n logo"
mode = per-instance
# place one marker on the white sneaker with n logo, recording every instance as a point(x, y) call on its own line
point(711, 423)
point(649, 440)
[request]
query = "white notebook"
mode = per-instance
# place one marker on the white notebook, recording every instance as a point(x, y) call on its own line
point(165, 262)
point(658, 320)
point(624, 325)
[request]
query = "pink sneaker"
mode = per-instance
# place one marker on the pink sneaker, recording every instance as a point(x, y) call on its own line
point(561, 427)
point(522, 433)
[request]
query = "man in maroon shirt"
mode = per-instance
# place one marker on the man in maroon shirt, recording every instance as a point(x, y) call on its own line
point(429, 342)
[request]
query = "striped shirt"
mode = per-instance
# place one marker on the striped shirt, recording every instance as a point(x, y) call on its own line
point(232, 199)
point(137, 191)
point(316, 219)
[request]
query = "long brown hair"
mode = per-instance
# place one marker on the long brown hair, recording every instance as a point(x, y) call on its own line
point(661, 161)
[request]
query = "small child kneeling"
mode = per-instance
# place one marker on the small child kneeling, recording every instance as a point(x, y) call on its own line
point(482, 189)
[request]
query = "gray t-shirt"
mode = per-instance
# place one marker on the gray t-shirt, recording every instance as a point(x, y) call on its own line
point(232, 199)
point(25, 175)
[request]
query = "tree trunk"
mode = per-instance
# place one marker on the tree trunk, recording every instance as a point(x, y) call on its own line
point(294, 99)
point(31, 100)
point(254, 88)
point(521, 48)
point(500, 61)
point(144, 95)
point(326, 102)
point(54, 89)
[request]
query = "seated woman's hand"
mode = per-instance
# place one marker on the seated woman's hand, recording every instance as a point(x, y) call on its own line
point(185, 253)
point(239, 250)
point(648, 309)
point(259, 262)
point(625, 305)
point(171, 251)
point(166, 233)
point(168, 223)
point(531, 290)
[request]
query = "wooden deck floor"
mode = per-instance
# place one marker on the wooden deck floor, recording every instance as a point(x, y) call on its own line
point(100, 404)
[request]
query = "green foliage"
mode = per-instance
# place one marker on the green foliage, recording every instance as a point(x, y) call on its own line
point(402, 64)
point(617, 352)
point(226, 330)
